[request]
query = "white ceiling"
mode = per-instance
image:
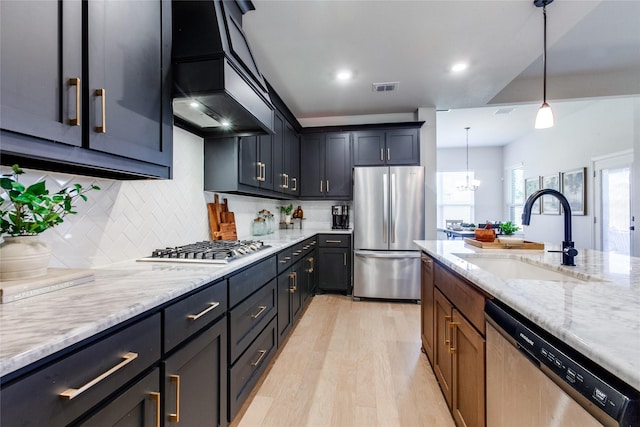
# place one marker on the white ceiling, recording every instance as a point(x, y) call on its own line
point(593, 51)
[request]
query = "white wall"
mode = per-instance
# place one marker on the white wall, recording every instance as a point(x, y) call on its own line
point(598, 128)
point(428, 159)
point(486, 164)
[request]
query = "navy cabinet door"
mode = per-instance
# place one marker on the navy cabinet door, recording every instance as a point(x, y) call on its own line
point(291, 161)
point(248, 167)
point(128, 105)
point(337, 165)
point(312, 157)
point(334, 269)
point(41, 69)
point(369, 148)
point(402, 147)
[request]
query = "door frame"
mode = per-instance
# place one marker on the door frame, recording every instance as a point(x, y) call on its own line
point(597, 164)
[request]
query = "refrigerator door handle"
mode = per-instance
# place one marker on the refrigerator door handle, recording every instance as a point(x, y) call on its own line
point(385, 207)
point(392, 208)
point(388, 255)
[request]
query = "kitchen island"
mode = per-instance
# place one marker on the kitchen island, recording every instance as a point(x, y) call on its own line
point(598, 315)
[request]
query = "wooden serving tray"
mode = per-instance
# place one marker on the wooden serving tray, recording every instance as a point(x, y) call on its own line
point(497, 245)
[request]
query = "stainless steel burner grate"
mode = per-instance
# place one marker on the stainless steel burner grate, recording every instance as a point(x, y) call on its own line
point(209, 252)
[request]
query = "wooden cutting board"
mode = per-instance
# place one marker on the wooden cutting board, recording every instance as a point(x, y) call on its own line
point(222, 223)
point(497, 245)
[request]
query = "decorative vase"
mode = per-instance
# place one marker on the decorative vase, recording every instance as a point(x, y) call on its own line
point(23, 257)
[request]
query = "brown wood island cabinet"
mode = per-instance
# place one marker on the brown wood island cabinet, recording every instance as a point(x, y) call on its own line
point(453, 337)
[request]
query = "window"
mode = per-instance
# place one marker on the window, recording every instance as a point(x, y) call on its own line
point(453, 203)
point(516, 195)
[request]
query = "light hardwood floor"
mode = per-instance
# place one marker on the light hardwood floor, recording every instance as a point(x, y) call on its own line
point(349, 363)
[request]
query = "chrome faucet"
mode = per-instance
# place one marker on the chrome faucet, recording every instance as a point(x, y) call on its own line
point(568, 251)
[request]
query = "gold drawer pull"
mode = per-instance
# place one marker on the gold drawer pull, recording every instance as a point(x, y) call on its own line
point(262, 309)
point(447, 340)
point(70, 393)
point(154, 395)
point(453, 326)
point(175, 379)
point(212, 305)
point(75, 121)
point(333, 241)
point(257, 362)
point(102, 94)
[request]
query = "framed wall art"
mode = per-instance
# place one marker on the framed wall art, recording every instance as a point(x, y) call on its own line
point(550, 204)
point(531, 185)
point(573, 187)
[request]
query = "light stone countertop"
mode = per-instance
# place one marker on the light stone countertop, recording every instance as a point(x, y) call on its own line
point(36, 327)
point(599, 317)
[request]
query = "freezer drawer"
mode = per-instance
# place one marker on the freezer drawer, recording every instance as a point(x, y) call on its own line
point(387, 275)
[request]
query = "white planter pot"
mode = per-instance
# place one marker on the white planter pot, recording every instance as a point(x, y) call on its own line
point(287, 218)
point(23, 257)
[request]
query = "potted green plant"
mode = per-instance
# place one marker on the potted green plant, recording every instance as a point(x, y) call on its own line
point(508, 228)
point(286, 211)
point(25, 212)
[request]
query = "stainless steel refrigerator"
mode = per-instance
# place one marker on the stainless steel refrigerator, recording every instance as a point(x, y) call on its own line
point(388, 207)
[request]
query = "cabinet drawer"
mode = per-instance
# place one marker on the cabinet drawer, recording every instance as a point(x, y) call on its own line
point(334, 240)
point(309, 245)
point(285, 259)
point(296, 252)
point(183, 318)
point(249, 318)
point(246, 372)
point(246, 282)
point(464, 296)
point(61, 392)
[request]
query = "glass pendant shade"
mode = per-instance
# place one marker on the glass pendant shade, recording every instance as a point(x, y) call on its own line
point(544, 119)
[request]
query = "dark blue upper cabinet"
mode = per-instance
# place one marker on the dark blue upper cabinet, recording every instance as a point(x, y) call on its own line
point(93, 76)
point(390, 147)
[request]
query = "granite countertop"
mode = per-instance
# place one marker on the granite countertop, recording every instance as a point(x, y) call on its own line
point(598, 316)
point(36, 327)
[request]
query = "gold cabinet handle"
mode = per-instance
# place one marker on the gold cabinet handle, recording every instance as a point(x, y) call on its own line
point(344, 258)
point(263, 169)
point(259, 166)
point(295, 184)
point(154, 395)
point(292, 280)
point(321, 182)
point(388, 153)
point(75, 81)
point(382, 154)
point(333, 241)
point(257, 362)
point(71, 393)
point(447, 340)
point(452, 327)
point(262, 309)
point(102, 94)
point(212, 305)
point(175, 379)
point(327, 186)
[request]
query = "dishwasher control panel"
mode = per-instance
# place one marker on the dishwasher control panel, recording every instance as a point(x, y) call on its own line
point(580, 379)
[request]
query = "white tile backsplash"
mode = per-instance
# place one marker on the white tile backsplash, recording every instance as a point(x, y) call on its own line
point(128, 219)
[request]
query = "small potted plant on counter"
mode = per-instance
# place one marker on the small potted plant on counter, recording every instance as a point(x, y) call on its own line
point(508, 228)
point(286, 213)
point(25, 212)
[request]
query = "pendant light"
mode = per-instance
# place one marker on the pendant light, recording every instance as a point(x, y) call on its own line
point(544, 119)
point(470, 184)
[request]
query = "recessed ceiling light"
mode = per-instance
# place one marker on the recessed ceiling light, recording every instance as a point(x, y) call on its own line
point(225, 123)
point(194, 104)
point(344, 75)
point(460, 66)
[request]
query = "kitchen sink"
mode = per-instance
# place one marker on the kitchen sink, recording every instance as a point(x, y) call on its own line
point(507, 267)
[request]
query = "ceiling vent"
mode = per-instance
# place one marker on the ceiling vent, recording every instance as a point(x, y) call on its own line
point(506, 110)
point(385, 87)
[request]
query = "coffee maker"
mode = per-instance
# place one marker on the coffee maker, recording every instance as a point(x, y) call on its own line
point(340, 215)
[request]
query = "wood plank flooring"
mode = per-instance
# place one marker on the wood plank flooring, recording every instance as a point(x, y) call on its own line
point(349, 363)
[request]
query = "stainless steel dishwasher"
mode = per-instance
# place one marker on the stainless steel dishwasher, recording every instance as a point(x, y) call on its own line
point(533, 379)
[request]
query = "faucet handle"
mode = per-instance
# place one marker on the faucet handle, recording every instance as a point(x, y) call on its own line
point(567, 251)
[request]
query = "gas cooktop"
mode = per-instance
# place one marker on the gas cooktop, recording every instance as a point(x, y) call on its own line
point(207, 252)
